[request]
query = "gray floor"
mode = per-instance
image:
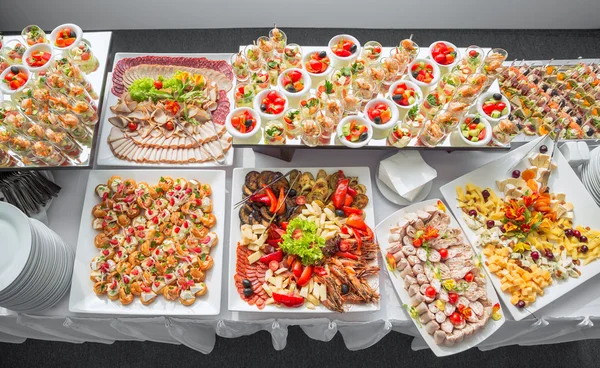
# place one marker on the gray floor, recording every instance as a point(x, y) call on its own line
point(257, 350)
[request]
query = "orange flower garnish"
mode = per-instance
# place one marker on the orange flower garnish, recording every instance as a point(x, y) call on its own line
point(430, 233)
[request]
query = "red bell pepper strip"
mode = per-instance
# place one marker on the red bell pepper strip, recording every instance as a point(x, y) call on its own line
point(275, 242)
point(273, 200)
point(284, 225)
point(281, 202)
point(288, 300)
point(261, 198)
point(321, 271)
point(356, 222)
point(275, 256)
point(352, 191)
point(340, 193)
point(358, 240)
point(297, 269)
point(350, 210)
point(346, 255)
point(366, 234)
point(348, 200)
point(306, 275)
point(289, 261)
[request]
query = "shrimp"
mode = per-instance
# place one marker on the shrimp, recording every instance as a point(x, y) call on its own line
point(171, 292)
point(145, 248)
point(69, 120)
point(124, 220)
point(209, 220)
point(200, 232)
point(197, 275)
point(100, 288)
point(135, 288)
point(41, 94)
point(134, 258)
point(166, 183)
point(124, 297)
point(98, 211)
point(206, 264)
point(101, 240)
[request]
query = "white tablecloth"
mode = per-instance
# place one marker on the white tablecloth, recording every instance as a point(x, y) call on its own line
point(574, 317)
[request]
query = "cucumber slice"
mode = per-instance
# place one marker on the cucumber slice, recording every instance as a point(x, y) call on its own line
point(475, 139)
point(496, 114)
point(505, 111)
point(465, 133)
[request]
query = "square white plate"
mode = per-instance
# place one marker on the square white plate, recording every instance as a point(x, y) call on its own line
point(382, 231)
point(84, 300)
point(105, 157)
point(564, 180)
point(236, 303)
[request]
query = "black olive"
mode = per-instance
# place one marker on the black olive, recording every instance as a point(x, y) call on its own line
point(476, 121)
point(353, 48)
point(526, 72)
point(263, 107)
point(377, 120)
point(590, 133)
point(345, 289)
point(339, 213)
point(290, 88)
point(323, 54)
point(292, 193)
point(497, 96)
point(363, 137)
point(553, 93)
point(248, 292)
point(397, 98)
point(415, 74)
point(579, 121)
point(246, 283)
point(543, 148)
point(14, 70)
point(248, 123)
point(545, 87)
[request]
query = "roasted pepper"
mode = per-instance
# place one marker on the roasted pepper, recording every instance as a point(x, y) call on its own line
point(275, 256)
point(281, 202)
point(273, 199)
point(356, 222)
point(288, 300)
point(341, 191)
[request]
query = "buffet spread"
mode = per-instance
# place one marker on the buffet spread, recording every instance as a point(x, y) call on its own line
point(507, 239)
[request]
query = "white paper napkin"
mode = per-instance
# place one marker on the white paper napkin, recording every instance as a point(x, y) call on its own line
point(405, 172)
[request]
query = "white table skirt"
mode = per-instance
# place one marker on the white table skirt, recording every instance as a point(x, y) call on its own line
point(574, 317)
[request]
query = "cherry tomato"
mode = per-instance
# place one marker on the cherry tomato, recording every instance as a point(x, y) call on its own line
point(440, 58)
point(500, 106)
point(305, 276)
point(443, 253)
point(169, 125)
point(430, 292)
point(272, 96)
point(235, 121)
point(158, 84)
point(469, 277)
point(452, 298)
point(300, 200)
point(315, 65)
point(297, 269)
point(456, 318)
point(473, 53)
point(132, 126)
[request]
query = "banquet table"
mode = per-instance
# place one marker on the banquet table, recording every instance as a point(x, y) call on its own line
point(575, 316)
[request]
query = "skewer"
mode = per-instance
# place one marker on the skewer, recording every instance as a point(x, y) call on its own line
point(261, 189)
point(558, 130)
point(282, 202)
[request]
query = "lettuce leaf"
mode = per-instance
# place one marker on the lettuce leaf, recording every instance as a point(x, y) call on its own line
point(308, 246)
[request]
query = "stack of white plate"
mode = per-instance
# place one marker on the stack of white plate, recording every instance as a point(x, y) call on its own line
point(35, 263)
point(590, 174)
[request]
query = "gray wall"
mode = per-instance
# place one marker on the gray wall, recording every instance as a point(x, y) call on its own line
point(151, 14)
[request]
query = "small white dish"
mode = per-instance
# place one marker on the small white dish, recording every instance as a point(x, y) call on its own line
point(394, 118)
point(486, 96)
point(258, 100)
point(343, 60)
point(418, 94)
point(396, 198)
point(360, 121)
point(322, 75)
point(5, 88)
point(236, 133)
point(488, 131)
point(436, 73)
point(40, 47)
point(55, 32)
point(456, 58)
point(306, 79)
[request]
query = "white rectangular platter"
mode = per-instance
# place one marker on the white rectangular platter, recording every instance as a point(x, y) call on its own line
point(382, 231)
point(236, 303)
point(564, 180)
point(105, 157)
point(84, 300)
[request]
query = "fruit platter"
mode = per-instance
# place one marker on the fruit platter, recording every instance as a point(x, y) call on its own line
point(421, 101)
point(544, 94)
point(439, 278)
point(528, 216)
point(150, 243)
point(51, 90)
point(167, 110)
point(302, 241)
